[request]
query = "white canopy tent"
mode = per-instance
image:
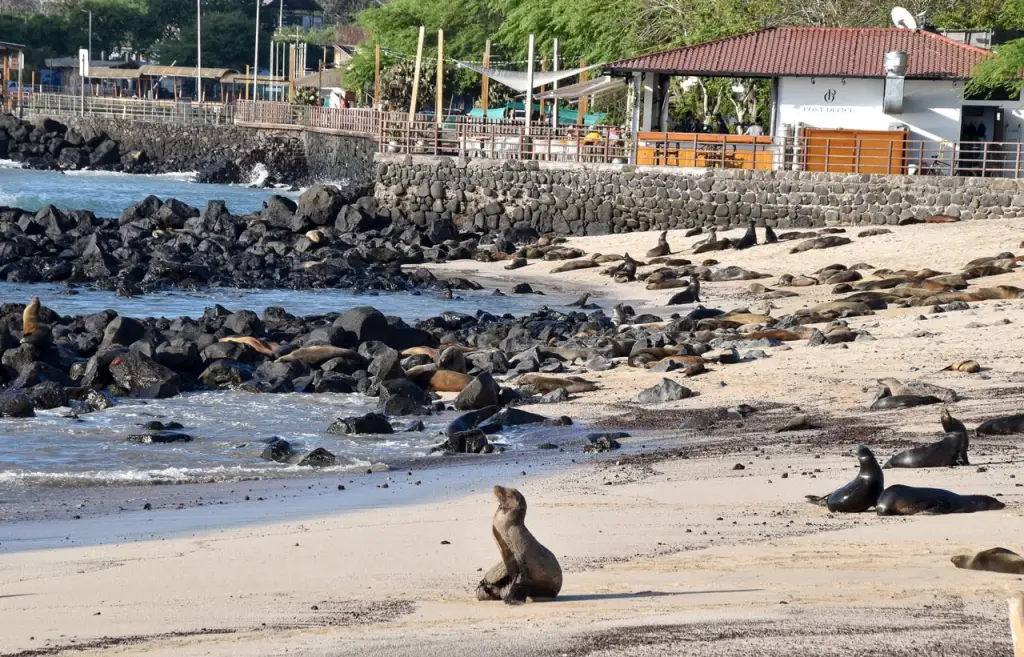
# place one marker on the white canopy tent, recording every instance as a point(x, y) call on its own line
point(520, 80)
point(595, 87)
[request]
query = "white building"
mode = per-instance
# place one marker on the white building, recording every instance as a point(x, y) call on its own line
point(836, 79)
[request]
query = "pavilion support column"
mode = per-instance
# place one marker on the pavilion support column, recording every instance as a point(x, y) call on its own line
point(663, 92)
point(648, 109)
point(634, 124)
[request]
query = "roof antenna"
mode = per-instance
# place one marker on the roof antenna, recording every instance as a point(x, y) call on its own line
point(903, 19)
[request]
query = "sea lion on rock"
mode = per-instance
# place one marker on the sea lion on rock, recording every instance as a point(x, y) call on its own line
point(662, 249)
point(900, 500)
point(32, 331)
point(951, 450)
point(434, 379)
point(860, 494)
point(527, 569)
point(993, 560)
point(319, 354)
point(261, 346)
point(1001, 426)
point(544, 384)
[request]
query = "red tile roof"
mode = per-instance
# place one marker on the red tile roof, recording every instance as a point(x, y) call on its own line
point(813, 51)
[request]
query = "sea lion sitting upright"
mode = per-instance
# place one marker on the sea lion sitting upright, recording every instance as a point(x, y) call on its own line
point(900, 500)
point(951, 450)
point(769, 235)
point(690, 295)
point(860, 494)
point(33, 332)
point(749, 238)
point(994, 560)
point(527, 569)
point(662, 249)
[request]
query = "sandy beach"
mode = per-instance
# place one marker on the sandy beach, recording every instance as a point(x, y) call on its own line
point(667, 546)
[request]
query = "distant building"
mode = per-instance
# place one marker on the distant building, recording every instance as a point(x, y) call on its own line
point(347, 39)
point(63, 71)
point(296, 13)
point(987, 39)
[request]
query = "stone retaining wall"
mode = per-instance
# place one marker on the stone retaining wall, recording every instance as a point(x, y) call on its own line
point(595, 200)
point(178, 147)
point(342, 160)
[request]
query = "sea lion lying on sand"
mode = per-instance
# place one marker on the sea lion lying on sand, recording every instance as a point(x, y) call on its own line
point(1001, 426)
point(900, 500)
point(527, 569)
point(993, 560)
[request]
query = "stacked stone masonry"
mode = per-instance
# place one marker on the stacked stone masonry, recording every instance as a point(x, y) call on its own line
point(597, 200)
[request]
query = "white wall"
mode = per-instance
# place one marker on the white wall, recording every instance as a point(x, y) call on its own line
point(931, 108)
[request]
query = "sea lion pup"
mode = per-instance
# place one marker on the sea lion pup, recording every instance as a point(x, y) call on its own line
point(32, 331)
point(1001, 426)
point(900, 500)
point(319, 354)
point(993, 560)
point(769, 235)
point(261, 346)
point(860, 494)
point(951, 450)
point(527, 569)
point(662, 249)
point(545, 384)
point(582, 301)
point(690, 295)
point(749, 238)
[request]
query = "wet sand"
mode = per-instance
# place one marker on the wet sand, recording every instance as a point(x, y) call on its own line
point(667, 547)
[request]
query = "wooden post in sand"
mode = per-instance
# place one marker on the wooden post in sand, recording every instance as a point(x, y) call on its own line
point(1017, 624)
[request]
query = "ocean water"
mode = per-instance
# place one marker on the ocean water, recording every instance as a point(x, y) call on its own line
point(106, 194)
point(54, 449)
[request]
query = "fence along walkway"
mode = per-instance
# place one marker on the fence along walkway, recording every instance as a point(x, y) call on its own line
point(463, 136)
point(131, 109)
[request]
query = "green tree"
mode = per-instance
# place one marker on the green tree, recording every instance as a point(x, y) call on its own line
point(227, 42)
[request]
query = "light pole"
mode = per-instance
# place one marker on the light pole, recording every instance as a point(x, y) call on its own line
point(199, 51)
point(90, 35)
point(256, 57)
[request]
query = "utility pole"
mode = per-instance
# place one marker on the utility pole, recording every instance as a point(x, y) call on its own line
point(199, 50)
point(529, 85)
point(256, 58)
point(484, 84)
point(554, 86)
point(90, 35)
point(376, 80)
point(439, 101)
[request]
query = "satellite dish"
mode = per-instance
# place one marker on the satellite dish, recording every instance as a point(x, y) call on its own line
point(903, 19)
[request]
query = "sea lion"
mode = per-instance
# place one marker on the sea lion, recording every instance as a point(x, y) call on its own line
point(968, 366)
point(662, 249)
point(951, 450)
point(890, 402)
point(900, 500)
point(527, 569)
point(872, 232)
point(420, 351)
point(769, 235)
point(573, 265)
point(827, 242)
point(319, 354)
point(582, 301)
point(1001, 426)
point(993, 560)
point(690, 295)
point(688, 365)
point(919, 388)
point(516, 263)
point(749, 238)
point(782, 335)
point(545, 384)
point(439, 380)
point(860, 494)
point(626, 271)
point(32, 331)
point(261, 346)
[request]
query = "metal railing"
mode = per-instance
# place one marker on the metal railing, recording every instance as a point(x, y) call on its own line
point(131, 109)
point(465, 136)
